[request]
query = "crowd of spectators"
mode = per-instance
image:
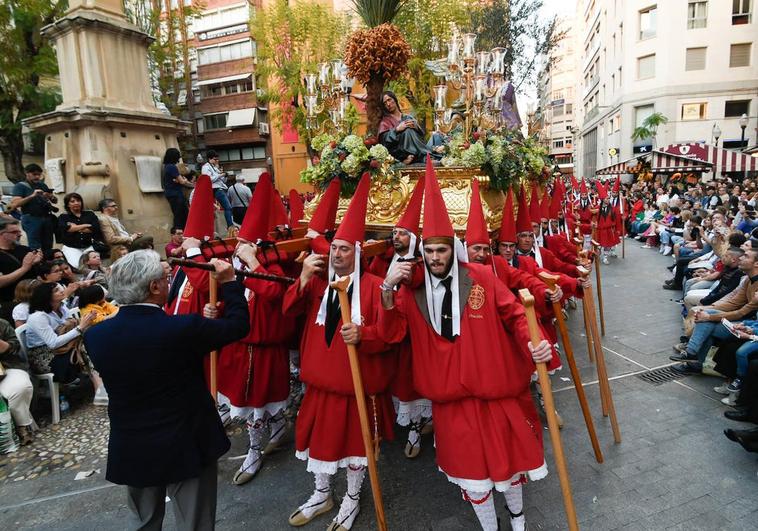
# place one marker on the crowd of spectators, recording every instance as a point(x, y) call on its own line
point(710, 231)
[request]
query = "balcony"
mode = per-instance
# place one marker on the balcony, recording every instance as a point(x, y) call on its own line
point(591, 84)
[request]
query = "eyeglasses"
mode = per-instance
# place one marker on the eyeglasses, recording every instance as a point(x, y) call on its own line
point(113, 205)
point(12, 232)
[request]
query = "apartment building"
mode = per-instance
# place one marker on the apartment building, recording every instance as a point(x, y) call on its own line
point(555, 93)
point(694, 61)
point(227, 116)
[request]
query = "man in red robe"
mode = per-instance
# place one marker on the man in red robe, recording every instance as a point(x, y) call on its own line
point(413, 410)
point(583, 210)
point(621, 209)
point(328, 431)
point(606, 224)
point(473, 359)
point(253, 373)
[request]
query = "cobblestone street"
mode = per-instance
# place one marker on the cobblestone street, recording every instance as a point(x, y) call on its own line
point(673, 470)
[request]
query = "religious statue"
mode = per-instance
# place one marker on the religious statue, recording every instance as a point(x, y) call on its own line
point(401, 134)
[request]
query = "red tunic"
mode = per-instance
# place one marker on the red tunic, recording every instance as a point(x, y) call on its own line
point(585, 217)
point(561, 247)
point(194, 294)
point(606, 228)
point(486, 427)
point(327, 426)
point(254, 372)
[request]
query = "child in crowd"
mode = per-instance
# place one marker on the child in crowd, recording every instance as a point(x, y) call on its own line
point(92, 300)
point(21, 300)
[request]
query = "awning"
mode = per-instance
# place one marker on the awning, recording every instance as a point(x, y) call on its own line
point(722, 160)
point(223, 79)
point(621, 168)
point(241, 117)
point(670, 163)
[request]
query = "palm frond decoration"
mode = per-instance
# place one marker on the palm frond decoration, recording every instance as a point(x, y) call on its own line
point(376, 12)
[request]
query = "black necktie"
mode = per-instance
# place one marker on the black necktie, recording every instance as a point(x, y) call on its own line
point(333, 314)
point(446, 322)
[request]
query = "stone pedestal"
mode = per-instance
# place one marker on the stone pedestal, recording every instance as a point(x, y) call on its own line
point(107, 119)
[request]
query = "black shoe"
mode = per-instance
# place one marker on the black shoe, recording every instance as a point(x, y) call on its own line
point(672, 287)
point(688, 368)
point(671, 267)
point(683, 356)
point(738, 414)
point(731, 435)
point(668, 282)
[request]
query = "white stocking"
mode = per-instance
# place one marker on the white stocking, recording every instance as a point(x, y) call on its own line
point(277, 423)
point(484, 507)
point(320, 495)
point(253, 458)
point(350, 506)
point(514, 502)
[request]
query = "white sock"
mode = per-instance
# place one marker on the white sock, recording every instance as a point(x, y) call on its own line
point(277, 424)
point(350, 506)
point(414, 434)
point(252, 461)
point(514, 500)
point(322, 492)
point(484, 507)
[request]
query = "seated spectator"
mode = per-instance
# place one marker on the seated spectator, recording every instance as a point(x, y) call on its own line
point(92, 300)
point(78, 228)
point(16, 386)
point(672, 227)
point(142, 243)
point(739, 305)
point(715, 285)
point(50, 272)
point(21, 297)
point(118, 251)
point(111, 227)
point(52, 333)
point(691, 238)
point(68, 274)
point(91, 268)
point(17, 262)
point(53, 254)
point(643, 219)
point(174, 246)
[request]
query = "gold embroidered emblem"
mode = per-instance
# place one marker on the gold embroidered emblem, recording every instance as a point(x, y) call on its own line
point(476, 297)
point(188, 289)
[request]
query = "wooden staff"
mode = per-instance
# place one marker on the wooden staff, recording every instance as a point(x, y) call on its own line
point(213, 299)
point(609, 409)
point(552, 422)
point(251, 274)
point(341, 287)
point(551, 281)
point(587, 329)
point(598, 251)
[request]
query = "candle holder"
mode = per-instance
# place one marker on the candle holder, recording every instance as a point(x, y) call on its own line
point(327, 91)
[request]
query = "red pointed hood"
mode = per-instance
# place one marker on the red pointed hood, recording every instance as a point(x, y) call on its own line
point(326, 211)
point(523, 222)
point(557, 199)
point(476, 226)
point(411, 218)
point(545, 205)
point(436, 220)
point(353, 226)
point(278, 213)
point(602, 193)
point(508, 226)
point(574, 183)
point(617, 184)
point(535, 213)
point(202, 211)
point(583, 187)
point(296, 208)
point(255, 226)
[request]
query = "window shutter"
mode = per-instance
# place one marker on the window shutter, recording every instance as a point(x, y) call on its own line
point(695, 59)
point(739, 55)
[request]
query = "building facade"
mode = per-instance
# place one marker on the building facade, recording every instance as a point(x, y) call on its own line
point(694, 61)
point(556, 90)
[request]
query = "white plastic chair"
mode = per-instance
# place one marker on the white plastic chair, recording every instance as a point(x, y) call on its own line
point(52, 385)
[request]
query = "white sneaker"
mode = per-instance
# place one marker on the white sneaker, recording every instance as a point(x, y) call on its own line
point(101, 397)
point(667, 250)
point(730, 400)
point(722, 389)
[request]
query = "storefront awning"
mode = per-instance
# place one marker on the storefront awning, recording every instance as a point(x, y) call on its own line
point(226, 79)
point(722, 160)
point(241, 117)
point(621, 168)
point(669, 163)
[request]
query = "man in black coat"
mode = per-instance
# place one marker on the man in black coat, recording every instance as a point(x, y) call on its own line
point(165, 432)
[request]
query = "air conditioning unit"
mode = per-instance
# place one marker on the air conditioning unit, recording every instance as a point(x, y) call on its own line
point(263, 128)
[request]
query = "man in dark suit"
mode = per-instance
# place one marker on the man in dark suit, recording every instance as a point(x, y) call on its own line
point(166, 435)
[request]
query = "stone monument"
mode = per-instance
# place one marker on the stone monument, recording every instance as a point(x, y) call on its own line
point(107, 138)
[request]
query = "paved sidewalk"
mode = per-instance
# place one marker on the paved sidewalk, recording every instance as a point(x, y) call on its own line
point(673, 470)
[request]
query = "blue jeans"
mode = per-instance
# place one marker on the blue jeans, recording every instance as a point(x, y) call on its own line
point(669, 239)
point(223, 200)
point(743, 355)
point(704, 334)
point(39, 231)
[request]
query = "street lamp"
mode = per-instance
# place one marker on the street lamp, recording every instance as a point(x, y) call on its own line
point(743, 125)
point(716, 131)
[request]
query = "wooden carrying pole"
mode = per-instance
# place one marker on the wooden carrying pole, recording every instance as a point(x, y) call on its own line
point(609, 409)
point(587, 329)
point(341, 286)
point(213, 299)
point(598, 250)
point(551, 281)
point(552, 422)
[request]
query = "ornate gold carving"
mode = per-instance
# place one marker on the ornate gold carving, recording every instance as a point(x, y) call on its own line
point(389, 197)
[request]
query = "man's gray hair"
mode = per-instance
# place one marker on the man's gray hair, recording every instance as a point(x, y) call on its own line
point(131, 275)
